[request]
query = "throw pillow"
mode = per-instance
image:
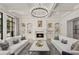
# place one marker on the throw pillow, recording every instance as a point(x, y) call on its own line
point(23, 38)
point(15, 41)
point(64, 41)
point(56, 38)
point(4, 45)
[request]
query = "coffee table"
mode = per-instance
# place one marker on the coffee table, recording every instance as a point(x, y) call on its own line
point(35, 48)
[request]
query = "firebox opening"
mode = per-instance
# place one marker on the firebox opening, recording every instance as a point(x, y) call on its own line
point(40, 35)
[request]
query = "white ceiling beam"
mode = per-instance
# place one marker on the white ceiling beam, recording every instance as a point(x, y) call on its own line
point(54, 6)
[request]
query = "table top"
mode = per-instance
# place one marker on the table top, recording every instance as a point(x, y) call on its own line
point(34, 47)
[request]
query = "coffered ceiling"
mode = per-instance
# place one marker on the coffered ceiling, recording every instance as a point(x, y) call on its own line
point(55, 10)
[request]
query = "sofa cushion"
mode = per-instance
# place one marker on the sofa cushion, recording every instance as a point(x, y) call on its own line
point(17, 37)
point(75, 46)
point(10, 41)
point(5, 52)
point(16, 47)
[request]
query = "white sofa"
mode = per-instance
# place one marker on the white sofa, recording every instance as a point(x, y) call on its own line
point(14, 48)
point(65, 47)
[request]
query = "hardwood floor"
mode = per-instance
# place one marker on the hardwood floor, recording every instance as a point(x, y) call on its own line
point(53, 50)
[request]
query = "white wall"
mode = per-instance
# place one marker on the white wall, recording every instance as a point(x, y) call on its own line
point(16, 29)
point(63, 23)
point(34, 27)
point(4, 26)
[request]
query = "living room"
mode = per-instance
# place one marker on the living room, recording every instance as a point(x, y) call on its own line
point(39, 28)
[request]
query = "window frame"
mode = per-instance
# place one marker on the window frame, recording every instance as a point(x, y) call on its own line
point(1, 25)
point(11, 26)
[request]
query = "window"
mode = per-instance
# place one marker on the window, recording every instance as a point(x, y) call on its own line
point(10, 26)
point(1, 25)
point(76, 29)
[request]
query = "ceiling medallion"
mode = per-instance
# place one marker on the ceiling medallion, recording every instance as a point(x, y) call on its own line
point(39, 12)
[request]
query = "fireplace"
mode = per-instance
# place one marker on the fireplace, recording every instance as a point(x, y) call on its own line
point(40, 35)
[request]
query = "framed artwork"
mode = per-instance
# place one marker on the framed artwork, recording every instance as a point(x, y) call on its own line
point(29, 27)
point(23, 28)
point(57, 28)
point(40, 23)
point(49, 25)
point(23, 24)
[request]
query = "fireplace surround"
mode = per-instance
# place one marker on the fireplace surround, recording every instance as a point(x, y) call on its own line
point(40, 35)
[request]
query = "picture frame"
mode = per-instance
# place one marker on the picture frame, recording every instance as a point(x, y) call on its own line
point(49, 25)
point(40, 23)
point(23, 28)
point(57, 28)
point(29, 26)
point(23, 24)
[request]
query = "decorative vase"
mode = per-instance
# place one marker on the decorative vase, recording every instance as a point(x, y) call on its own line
point(39, 43)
